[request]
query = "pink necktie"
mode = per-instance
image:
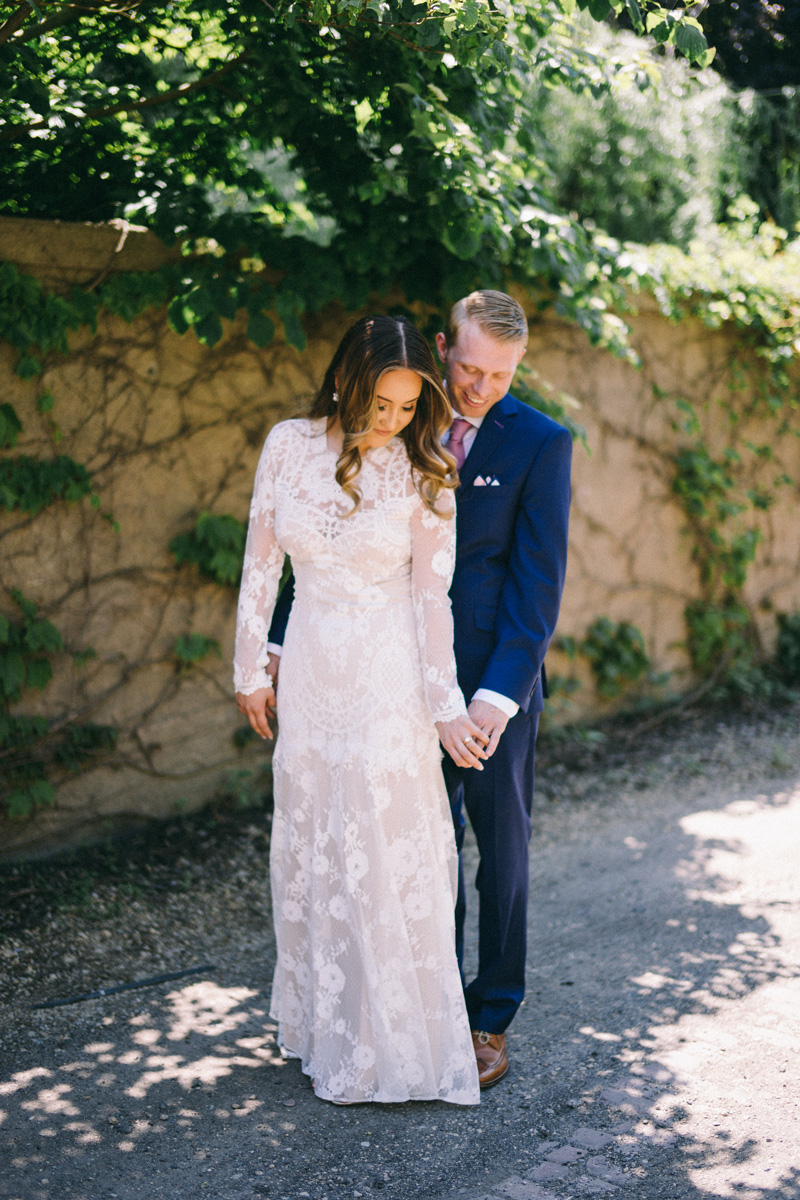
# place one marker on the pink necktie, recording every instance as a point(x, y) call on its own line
point(456, 443)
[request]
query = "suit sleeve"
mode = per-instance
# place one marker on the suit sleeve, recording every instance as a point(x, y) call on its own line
point(531, 594)
point(280, 617)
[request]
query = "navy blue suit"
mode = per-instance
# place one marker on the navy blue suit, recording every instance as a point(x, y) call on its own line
point(510, 564)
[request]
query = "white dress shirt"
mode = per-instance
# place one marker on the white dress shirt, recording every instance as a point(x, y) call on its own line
point(504, 703)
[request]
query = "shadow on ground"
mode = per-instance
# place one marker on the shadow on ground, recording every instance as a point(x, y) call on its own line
point(656, 1054)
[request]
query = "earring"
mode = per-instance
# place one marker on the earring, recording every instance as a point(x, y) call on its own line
point(335, 397)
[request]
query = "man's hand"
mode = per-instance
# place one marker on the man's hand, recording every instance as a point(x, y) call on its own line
point(273, 666)
point(491, 720)
point(257, 707)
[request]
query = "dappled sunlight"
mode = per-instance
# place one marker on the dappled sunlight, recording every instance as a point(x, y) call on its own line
point(708, 972)
point(125, 1088)
point(208, 1009)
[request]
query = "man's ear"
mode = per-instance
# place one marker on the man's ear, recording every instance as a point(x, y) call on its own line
point(441, 347)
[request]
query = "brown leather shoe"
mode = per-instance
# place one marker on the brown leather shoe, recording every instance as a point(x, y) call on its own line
point(490, 1053)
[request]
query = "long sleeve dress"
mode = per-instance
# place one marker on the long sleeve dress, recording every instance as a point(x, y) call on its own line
point(366, 992)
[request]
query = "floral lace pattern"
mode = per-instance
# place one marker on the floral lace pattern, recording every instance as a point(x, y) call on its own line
point(362, 859)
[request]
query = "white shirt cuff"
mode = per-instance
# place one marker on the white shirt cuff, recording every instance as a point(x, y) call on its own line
point(509, 707)
point(273, 648)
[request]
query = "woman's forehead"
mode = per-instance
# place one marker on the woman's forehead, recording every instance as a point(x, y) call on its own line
point(400, 385)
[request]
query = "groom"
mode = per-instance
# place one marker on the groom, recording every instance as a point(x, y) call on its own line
point(512, 516)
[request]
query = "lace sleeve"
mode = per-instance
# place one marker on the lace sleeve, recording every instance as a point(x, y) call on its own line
point(433, 553)
point(263, 562)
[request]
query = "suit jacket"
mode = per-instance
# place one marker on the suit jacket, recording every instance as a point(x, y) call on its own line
point(511, 553)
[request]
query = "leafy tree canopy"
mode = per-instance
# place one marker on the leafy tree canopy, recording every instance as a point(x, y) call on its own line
point(757, 41)
point(350, 145)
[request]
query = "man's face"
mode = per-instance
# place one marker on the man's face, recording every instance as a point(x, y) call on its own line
point(478, 367)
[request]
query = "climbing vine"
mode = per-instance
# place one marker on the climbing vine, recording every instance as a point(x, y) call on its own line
point(748, 282)
point(35, 754)
point(215, 546)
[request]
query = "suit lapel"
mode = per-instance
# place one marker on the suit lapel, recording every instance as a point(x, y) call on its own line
point(494, 428)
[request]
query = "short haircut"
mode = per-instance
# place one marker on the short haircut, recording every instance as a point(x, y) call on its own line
point(496, 313)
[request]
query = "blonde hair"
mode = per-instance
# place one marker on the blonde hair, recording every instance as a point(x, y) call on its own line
point(370, 348)
point(497, 314)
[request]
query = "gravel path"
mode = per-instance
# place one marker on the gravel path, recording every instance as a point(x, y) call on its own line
point(656, 1056)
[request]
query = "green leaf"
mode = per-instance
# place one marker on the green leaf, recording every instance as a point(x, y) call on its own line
point(691, 42)
point(209, 330)
point(28, 367)
point(42, 792)
point(176, 316)
point(295, 334)
point(660, 30)
point(635, 13)
point(42, 635)
point(19, 803)
point(462, 239)
point(260, 329)
point(12, 674)
point(10, 426)
point(39, 673)
point(45, 402)
point(190, 648)
point(470, 14)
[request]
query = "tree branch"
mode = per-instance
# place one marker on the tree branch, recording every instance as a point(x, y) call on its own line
point(16, 132)
point(14, 22)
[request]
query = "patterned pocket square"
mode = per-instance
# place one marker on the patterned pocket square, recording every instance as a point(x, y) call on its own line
point(478, 481)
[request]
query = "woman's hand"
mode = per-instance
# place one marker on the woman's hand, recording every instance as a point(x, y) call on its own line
point(464, 741)
point(258, 707)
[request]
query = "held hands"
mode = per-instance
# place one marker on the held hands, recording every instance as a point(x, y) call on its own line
point(464, 741)
point(490, 720)
point(259, 708)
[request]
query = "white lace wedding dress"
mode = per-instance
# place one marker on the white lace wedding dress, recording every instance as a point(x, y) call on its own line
point(363, 865)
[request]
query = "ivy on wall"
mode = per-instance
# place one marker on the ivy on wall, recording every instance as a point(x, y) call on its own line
point(35, 754)
point(750, 282)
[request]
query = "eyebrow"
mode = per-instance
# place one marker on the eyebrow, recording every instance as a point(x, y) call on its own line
point(462, 362)
point(387, 400)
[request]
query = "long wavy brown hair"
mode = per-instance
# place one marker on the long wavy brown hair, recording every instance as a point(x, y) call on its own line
point(370, 348)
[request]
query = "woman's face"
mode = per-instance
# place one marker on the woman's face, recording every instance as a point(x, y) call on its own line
point(397, 394)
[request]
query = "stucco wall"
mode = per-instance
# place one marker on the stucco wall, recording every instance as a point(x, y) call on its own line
point(170, 428)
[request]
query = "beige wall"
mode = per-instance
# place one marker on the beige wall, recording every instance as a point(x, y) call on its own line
point(169, 428)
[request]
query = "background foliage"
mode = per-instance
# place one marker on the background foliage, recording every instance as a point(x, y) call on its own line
point(358, 146)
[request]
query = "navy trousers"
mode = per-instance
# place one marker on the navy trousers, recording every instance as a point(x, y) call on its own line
point(498, 803)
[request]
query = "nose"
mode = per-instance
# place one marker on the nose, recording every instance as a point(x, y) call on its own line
point(480, 386)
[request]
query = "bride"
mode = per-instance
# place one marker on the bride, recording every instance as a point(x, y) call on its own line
point(366, 991)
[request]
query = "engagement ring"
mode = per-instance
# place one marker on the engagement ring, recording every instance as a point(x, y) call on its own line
point(467, 739)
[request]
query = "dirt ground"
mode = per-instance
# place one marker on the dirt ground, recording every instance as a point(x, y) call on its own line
point(656, 1055)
